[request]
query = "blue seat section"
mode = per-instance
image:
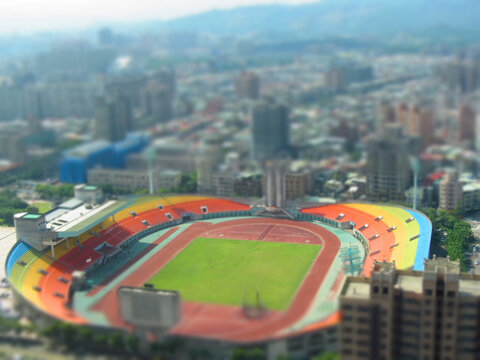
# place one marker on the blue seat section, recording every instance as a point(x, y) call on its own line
point(20, 249)
point(423, 246)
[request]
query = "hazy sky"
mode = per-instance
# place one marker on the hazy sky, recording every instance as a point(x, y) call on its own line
point(28, 16)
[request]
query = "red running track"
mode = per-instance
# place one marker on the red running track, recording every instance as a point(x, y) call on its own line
point(228, 322)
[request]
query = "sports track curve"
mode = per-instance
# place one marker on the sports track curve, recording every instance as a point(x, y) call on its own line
point(227, 322)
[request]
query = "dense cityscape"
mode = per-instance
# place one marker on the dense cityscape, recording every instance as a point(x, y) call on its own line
point(117, 134)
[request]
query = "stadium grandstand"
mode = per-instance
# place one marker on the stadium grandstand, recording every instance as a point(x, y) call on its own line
point(92, 262)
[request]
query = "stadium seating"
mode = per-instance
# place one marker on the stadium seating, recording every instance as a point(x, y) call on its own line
point(18, 251)
point(389, 236)
point(391, 233)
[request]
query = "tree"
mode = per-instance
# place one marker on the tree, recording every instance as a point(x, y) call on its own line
point(327, 356)
point(255, 353)
point(117, 341)
point(56, 193)
point(69, 334)
point(12, 205)
point(133, 343)
point(53, 330)
point(188, 184)
point(458, 242)
point(86, 336)
point(101, 341)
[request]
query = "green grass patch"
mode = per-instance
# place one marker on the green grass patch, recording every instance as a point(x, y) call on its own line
point(43, 206)
point(222, 271)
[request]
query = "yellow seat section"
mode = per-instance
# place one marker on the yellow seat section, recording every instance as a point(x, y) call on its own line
point(412, 229)
point(32, 277)
point(404, 252)
point(16, 275)
point(390, 220)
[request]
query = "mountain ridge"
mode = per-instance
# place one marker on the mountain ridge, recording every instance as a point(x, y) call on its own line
point(377, 18)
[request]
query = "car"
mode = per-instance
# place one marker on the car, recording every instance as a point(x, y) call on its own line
point(477, 262)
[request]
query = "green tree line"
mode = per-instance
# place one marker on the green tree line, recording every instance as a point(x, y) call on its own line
point(12, 205)
point(453, 232)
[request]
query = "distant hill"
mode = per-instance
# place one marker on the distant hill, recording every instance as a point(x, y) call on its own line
point(375, 18)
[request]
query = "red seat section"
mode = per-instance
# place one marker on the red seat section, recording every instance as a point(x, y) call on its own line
point(55, 287)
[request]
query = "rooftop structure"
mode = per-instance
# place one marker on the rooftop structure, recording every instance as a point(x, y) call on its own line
point(68, 220)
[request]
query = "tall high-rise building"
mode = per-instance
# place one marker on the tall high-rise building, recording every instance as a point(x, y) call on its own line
point(402, 116)
point(451, 191)
point(405, 314)
point(334, 79)
point(128, 86)
point(271, 130)
point(388, 165)
point(414, 121)
point(167, 78)
point(113, 117)
point(386, 115)
point(421, 123)
point(207, 159)
point(477, 132)
point(157, 102)
point(466, 119)
point(247, 86)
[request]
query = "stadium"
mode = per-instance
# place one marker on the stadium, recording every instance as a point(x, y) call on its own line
point(213, 271)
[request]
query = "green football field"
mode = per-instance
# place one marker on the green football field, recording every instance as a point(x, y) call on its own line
point(224, 271)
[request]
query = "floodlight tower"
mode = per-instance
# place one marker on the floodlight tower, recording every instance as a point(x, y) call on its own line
point(150, 154)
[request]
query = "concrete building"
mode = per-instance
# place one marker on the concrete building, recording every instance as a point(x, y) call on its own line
point(207, 159)
point(467, 123)
point(388, 166)
point(270, 130)
point(13, 146)
point(168, 153)
point(402, 116)
point(451, 191)
point(57, 99)
point(157, 103)
point(247, 86)
point(248, 185)
point(471, 196)
point(421, 123)
point(297, 184)
point(132, 180)
point(157, 96)
point(129, 87)
point(88, 194)
point(405, 314)
point(223, 183)
point(113, 117)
